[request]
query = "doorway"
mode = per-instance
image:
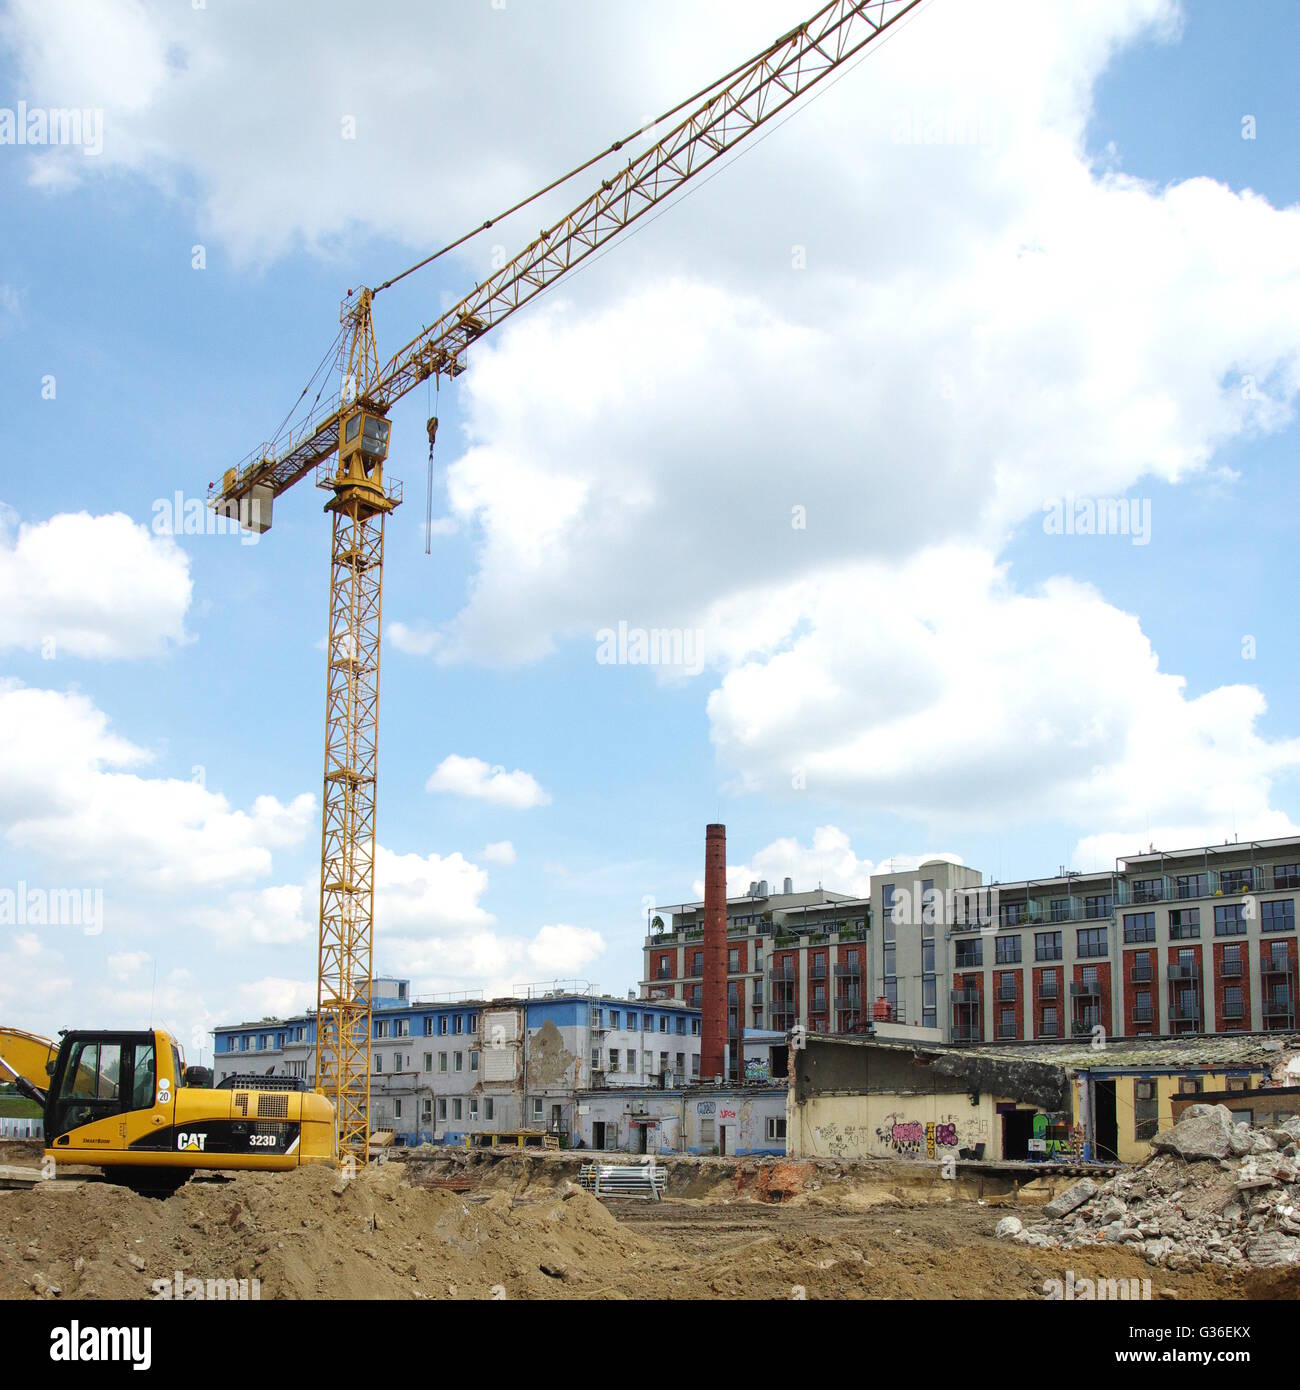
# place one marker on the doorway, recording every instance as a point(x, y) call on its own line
point(1106, 1123)
point(598, 1134)
point(1017, 1131)
point(641, 1137)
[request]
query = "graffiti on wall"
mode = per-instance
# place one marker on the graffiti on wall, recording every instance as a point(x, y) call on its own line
point(912, 1137)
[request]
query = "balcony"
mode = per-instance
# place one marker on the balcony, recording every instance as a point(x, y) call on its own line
point(1049, 1030)
point(1184, 971)
point(1082, 1026)
point(967, 995)
point(1143, 1013)
point(962, 1033)
point(1275, 965)
point(1184, 1013)
point(1085, 990)
point(1141, 974)
point(1231, 969)
point(1007, 992)
point(851, 971)
point(817, 972)
point(1049, 989)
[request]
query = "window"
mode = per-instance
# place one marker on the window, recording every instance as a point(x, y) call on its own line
point(1230, 920)
point(1146, 1112)
point(1047, 945)
point(460, 1061)
point(663, 1023)
point(442, 1063)
point(969, 955)
point(733, 961)
point(397, 1108)
point(775, 1127)
point(1142, 1006)
point(1286, 875)
point(928, 913)
point(1278, 915)
point(489, 1108)
point(1236, 880)
point(402, 1028)
point(456, 1108)
point(442, 1107)
point(927, 957)
point(1148, 890)
point(1189, 1086)
point(1011, 914)
point(1232, 1002)
point(1192, 886)
point(695, 1024)
point(1184, 923)
point(1007, 1023)
point(1060, 910)
point(631, 1022)
point(1092, 941)
point(537, 1108)
point(473, 1108)
point(1050, 1028)
point(428, 1027)
point(381, 1027)
point(473, 1060)
point(1139, 926)
point(379, 1061)
point(428, 1061)
point(460, 1024)
point(1007, 950)
point(442, 1026)
point(1098, 905)
point(144, 1078)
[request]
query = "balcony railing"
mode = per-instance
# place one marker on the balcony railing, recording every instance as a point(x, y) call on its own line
point(1184, 971)
point(1141, 974)
point(1084, 989)
point(1231, 968)
point(1275, 965)
point(964, 1034)
point(851, 971)
point(968, 994)
point(1143, 1013)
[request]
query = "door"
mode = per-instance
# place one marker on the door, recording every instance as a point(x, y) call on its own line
point(112, 1091)
point(598, 1134)
point(722, 1138)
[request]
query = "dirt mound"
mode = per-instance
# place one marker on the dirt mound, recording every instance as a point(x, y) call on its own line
point(306, 1235)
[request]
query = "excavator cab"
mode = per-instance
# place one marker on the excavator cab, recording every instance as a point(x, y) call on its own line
point(112, 1088)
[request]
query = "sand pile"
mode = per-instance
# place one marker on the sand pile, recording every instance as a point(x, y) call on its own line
point(307, 1235)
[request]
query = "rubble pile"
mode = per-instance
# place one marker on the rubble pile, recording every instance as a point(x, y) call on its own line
point(1213, 1191)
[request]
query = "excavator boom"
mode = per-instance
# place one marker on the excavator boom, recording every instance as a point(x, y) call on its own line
point(27, 1059)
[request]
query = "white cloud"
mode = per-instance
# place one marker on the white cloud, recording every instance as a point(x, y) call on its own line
point(564, 950)
point(472, 777)
point(990, 707)
point(90, 586)
point(499, 852)
point(274, 997)
point(417, 640)
point(69, 795)
point(427, 895)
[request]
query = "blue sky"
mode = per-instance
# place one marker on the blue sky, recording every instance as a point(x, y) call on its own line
point(1066, 305)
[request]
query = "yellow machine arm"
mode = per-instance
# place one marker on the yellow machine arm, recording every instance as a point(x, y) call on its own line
point(24, 1058)
point(762, 90)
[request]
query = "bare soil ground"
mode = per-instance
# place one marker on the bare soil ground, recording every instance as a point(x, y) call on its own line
point(521, 1229)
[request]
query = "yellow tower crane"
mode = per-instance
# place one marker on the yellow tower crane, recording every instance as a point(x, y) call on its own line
point(345, 442)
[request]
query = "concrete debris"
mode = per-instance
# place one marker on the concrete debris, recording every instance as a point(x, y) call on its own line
point(1009, 1226)
point(1082, 1191)
point(1179, 1210)
point(1205, 1131)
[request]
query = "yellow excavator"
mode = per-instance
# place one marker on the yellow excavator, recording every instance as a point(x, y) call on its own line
point(127, 1103)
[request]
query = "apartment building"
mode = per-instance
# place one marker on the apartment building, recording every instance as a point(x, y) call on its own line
point(791, 958)
point(1189, 941)
point(449, 1067)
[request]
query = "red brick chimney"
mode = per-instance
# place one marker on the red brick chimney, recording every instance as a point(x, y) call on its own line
point(713, 1025)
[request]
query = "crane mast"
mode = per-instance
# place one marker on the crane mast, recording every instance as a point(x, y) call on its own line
point(346, 443)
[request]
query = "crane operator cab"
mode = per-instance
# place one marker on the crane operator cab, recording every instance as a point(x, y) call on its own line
point(365, 441)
